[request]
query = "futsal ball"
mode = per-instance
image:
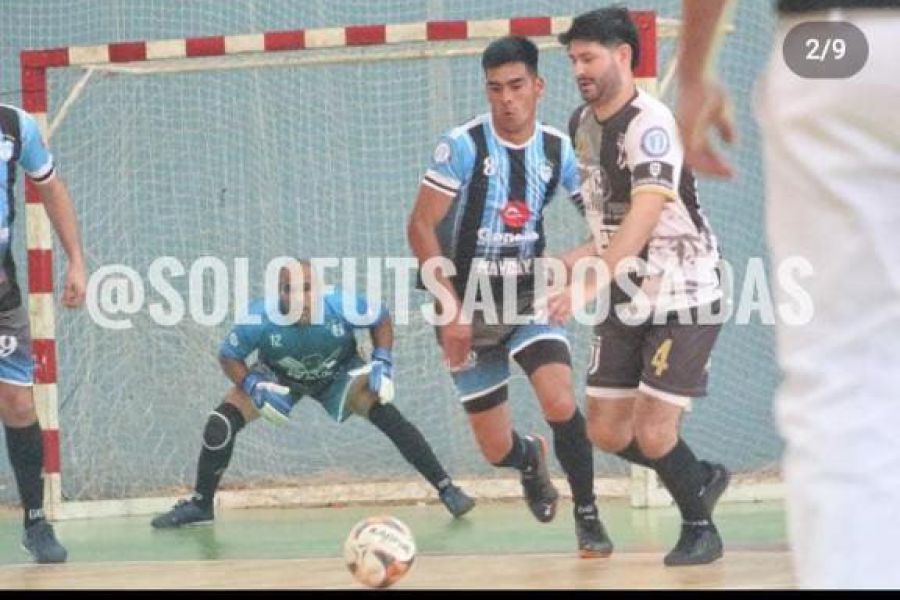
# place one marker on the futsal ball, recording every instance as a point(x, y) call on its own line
point(379, 551)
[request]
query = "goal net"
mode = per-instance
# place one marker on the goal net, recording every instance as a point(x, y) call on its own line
point(309, 144)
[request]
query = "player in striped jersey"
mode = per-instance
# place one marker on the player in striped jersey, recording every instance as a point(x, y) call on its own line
point(21, 144)
point(481, 204)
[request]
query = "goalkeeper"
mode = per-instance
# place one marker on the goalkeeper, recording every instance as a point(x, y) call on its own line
point(318, 359)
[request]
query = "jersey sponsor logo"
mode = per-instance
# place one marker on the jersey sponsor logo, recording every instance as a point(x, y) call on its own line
point(515, 213)
point(310, 369)
point(490, 167)
point(655, 142)
point(442, 153)
point(504, 267)
point(546, 171)
point(497, 238)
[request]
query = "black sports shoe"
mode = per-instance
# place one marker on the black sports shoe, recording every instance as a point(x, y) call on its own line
point(540, 494)
point(186, 512)
point(593, 542)
point(456, 500)
point(715, 486)
point(40, 541)
point(699, 544)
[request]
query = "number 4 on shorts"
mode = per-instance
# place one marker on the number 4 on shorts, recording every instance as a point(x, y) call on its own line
point(660, 360)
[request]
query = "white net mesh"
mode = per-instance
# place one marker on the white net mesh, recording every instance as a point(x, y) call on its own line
point(322, 160)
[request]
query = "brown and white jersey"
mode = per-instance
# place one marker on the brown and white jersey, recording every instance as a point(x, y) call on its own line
point(639, 150)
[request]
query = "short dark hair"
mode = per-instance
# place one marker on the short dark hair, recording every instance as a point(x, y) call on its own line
point(609, 26)
point(510, 49)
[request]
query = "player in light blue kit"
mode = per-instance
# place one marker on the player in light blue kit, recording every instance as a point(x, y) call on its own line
point(21, 145)
point(316, 358)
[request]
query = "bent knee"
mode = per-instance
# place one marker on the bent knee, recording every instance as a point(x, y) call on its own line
point(237, 398)
point(655, 439)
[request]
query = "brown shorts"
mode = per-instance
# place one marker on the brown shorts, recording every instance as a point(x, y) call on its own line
point(669, 361)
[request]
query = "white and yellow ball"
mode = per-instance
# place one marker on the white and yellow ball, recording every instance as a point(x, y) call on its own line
point(379, 551)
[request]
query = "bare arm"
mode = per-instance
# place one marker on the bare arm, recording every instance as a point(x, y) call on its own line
point(701, 101)
point(572, 256)
point(235, 370)
point(383, 334)
point(629, 240)
point(431, 206)
point(699, 27)
point(61, 213)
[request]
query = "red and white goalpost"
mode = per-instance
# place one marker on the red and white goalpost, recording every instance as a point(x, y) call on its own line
point(159, 58)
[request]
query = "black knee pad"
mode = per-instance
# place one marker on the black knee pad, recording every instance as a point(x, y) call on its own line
point(543, 352)
point(221, 426)
point(488, 401)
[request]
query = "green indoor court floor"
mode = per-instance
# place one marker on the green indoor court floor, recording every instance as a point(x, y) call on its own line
point(498, 541)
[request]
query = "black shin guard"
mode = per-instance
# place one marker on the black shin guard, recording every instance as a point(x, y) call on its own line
point(26, 453)
point(222, 427)
point(410, 442)
point(575, 456)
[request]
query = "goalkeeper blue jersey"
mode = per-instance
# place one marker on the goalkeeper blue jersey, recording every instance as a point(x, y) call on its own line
point(306, 356)
point(499, 191)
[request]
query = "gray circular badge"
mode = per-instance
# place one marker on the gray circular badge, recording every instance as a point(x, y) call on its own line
point(826, 50)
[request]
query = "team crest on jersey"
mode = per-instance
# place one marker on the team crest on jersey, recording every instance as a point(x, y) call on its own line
point(515, 214)
point(442, 153)
point(546, 171)
point(655, 142)
point(6, 149)
point(490, 167)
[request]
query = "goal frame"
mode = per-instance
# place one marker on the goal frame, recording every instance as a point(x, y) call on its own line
point(642, 486)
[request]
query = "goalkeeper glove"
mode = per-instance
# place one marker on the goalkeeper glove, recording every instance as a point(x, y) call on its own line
point(273, 401)
point(381, 373)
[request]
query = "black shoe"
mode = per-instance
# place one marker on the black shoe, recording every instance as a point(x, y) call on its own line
point(699, 544)
point(456, 500)
point(715, 486)
point(540, 494)
point(593, 542)
point(185, 512)
point(41, 542)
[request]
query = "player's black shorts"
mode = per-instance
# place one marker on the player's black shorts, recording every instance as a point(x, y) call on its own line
point(667, 361)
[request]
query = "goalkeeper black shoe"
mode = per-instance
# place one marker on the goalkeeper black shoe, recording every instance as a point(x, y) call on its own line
point(186, 512)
